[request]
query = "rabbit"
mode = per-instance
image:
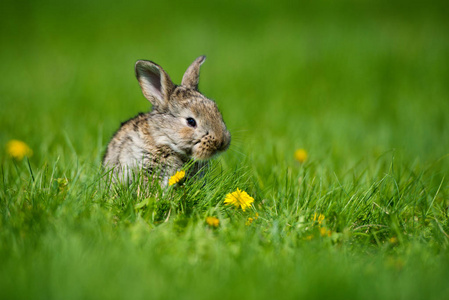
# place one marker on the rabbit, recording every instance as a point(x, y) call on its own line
point(183, 126)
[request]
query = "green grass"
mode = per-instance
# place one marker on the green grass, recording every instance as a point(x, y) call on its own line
point(361, 86)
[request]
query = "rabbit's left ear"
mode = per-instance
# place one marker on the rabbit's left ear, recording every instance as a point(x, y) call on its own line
point(155, 83)
point(192, 75)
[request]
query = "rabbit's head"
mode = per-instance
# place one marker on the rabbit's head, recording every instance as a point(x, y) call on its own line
point(182, 118)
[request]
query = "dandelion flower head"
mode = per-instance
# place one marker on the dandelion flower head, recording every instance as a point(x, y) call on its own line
point(319, 218)
point(212, 221)
point(18, 149)
point(325, 232)
point(239, 198)
point(301, 155)
point(177, 177)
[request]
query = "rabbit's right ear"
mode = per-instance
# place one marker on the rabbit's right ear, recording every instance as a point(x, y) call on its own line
point(155, 83)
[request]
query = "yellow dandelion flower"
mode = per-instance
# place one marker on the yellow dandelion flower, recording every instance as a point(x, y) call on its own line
point(177, 177)
point(18, 149)
point(324, 232)
point(239, 198)
point(212, 221)
point(319, 218)
point(301, 155)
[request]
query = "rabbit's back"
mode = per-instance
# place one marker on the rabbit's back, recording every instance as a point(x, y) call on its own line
point(129, 144)
point(132, 147)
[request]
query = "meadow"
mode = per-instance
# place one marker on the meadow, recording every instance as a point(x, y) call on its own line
point(361, 86)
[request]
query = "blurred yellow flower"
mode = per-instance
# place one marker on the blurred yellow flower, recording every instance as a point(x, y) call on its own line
point(249, 221)
point(212, 221)
point(239, 198)
point(177, 177)
point(319, 218)
point(301, 155)
point(18, 149)
point(324, 232)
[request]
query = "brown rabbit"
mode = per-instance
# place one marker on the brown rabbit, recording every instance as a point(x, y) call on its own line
point(183, 126)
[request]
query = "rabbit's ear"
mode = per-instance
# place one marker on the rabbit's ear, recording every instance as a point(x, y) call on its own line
point(192, 75)
point(155, 83)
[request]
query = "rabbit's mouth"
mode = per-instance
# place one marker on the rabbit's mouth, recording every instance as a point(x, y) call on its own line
point(202, 153)
point(210, 145)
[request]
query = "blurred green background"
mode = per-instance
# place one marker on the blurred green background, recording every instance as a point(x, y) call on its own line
point(338, 77)
point(362, 85)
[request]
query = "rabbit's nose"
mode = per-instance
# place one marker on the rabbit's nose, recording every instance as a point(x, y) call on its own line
point(205, 134)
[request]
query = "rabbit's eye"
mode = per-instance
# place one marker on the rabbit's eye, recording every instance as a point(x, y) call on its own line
point(191, 122)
